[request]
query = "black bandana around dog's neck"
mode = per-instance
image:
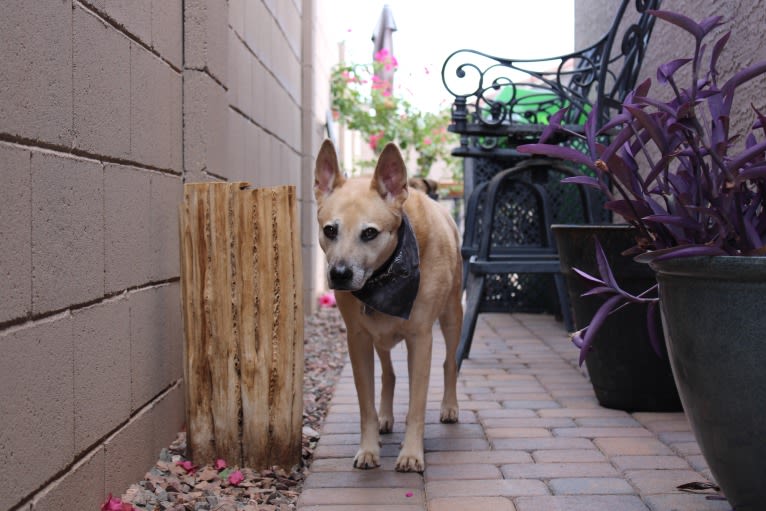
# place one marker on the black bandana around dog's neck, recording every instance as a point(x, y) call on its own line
point(393, 287)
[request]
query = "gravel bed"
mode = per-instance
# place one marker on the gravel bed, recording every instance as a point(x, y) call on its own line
point(173, 484)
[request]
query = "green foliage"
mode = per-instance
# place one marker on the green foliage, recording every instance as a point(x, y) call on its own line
point(367, 103)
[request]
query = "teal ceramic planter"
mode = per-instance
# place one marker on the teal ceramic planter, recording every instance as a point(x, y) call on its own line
point(624, 370)
point(714, 318)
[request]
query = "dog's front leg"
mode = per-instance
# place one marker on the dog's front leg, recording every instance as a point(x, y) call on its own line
point(411, 457)
point(363, 365)
point(388, 380)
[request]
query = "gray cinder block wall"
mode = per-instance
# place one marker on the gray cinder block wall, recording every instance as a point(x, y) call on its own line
point(106, 108)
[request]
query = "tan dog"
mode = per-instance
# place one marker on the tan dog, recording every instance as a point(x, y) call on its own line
point(390, 285)
point(428, 186)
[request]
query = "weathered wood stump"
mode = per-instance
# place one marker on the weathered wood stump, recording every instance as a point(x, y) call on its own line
point(241, 290)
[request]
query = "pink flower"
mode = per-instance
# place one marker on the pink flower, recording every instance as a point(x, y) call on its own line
point(220, 464)
point(374, 138)
point(236, 477)
point(187, 465)
point(350, 77)
point(115, 504)
point(384, 57)
point(112, 504)
point(427, 140)
point(382, 85)
point(327, 299)
point(409, 494)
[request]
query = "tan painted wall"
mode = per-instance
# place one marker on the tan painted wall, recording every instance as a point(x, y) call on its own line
point(106, 108)
point(747, 43)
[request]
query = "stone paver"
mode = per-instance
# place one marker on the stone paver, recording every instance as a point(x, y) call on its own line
point(685, 502)
point(464, 471)
point(531, 437)
point(362, 507)
point(652, 482)
point(483, 487)
point(568, 456)
point(648, 462)
point(362, 496)
point(582, 503)
point(556, 470)
point(590, 486)
point(471, 504)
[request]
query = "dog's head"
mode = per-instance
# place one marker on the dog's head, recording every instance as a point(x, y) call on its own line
point(358, 218)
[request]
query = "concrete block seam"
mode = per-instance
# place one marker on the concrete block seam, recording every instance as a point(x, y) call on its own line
point(11, 325)
point(282, 29)
point(104, 17)
point(267, 68)
point(69, 152)
point(265, 129)
point(207, 71)
point(83, 457)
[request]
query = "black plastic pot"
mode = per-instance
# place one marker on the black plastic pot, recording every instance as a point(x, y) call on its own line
point(714, 318)
point(625, 371)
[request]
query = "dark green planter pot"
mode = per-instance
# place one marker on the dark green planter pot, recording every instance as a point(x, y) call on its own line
point(625, 371)
point(714, 317)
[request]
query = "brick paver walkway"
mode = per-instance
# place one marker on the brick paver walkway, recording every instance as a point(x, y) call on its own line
point(531, 437)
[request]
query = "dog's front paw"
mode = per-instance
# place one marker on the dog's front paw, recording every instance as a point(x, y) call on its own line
point(449, 414)
point(410, 462)
point(385, 424)
point(365, 459)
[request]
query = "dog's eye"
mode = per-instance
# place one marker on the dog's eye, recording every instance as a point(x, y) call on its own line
point(330, 232)
point(370, 234)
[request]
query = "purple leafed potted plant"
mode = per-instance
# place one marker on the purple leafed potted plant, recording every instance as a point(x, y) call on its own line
point(696, 194)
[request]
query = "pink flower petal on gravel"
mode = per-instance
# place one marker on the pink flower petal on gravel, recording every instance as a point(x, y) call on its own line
point(409, 494)
point(220, 464)
point(187, 465)
point(236, 477)
point(116, 504)
point(112, 504)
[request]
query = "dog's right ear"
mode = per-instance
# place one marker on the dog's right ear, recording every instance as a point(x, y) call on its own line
point(327, 176)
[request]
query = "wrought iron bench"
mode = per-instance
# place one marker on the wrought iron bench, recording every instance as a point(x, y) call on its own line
point(501, 103)
point(518, 207)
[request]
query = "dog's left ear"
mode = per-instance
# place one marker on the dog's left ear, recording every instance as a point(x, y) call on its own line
point(390, 178)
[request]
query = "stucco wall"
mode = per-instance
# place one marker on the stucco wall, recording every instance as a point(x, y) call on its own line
point(746, 45)
point(106, 108)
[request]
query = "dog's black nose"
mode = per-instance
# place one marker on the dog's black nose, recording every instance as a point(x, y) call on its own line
point(340, 276)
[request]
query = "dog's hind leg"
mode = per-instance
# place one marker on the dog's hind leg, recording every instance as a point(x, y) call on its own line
point(451, 321)
point(388, 380)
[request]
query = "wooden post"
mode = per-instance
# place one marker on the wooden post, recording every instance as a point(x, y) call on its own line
point(242, 296)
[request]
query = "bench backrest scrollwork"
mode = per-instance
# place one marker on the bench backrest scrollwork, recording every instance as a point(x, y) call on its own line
point(507, 100)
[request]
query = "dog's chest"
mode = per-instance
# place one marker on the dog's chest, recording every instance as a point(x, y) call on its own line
point(386, 331)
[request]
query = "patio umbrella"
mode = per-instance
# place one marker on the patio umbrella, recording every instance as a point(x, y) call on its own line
point(383, 41)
